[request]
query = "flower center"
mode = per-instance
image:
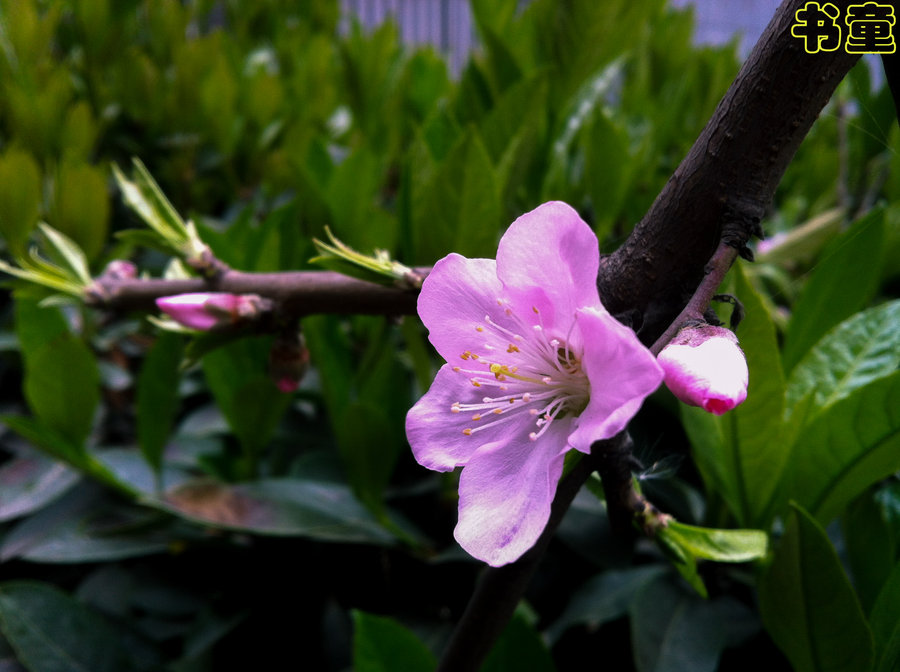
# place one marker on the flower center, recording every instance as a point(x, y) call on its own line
point(538, 377)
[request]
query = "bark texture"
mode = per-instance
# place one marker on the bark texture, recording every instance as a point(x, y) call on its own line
point(728, 179)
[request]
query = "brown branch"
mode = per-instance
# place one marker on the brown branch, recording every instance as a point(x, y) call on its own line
point(500, 588)
point(728, 177)
point(295, 293)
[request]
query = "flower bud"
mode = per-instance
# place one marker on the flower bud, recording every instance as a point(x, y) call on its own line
point(288, 361)
point(211, 310)
point(705, 366)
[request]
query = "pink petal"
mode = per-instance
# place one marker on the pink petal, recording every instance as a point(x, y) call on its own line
point(712, 375)
point(548, 258)
point(455, 298)
point(622, 372)
point(505, 493)
point(435, 434)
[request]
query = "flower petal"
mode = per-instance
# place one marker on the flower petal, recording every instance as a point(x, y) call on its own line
point(505, 493)
point(435, 434)
point(455, 298)
point(622, 373)
point(548, 258)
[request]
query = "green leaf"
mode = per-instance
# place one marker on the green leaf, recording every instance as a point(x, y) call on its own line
point(608, 169)
point(870, 545)
point(52, 632)
point(808, 605)
point(519, 647)
point(252, 405)
point(30, 483)
point(20, 198)
point(604, 598)
point(87, 525)
point(61, 375)
point(742, 454)
point(278, 507)
point(458, 209)
point(157, 396)
point(859, 351)
point(382, 645)
point(81, 206)
point(144, 197)
point(885, 622)
point(842, 452)
point(842, 283)
point(67, 249)
point(674, 630)
point(718, 545)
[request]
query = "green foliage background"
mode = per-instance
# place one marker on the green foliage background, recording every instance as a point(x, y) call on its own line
point(169, 517)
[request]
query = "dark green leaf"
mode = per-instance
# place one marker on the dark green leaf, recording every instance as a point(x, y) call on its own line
point(808, 605)
point(383, 645)
point(519, 647)
point(157, 396)
point(604, 598)
point(61, 376)
point(842, 282)
point(279, 507)
point(52, 632)
point(871, 546)
point(30, 483)
point(250, 402)
point(86, 525)
point(844, 451)
point(885, 622)
point(674, 630)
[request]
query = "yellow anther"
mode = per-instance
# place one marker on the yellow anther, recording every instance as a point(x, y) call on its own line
point(467, 431)
point(512, 348)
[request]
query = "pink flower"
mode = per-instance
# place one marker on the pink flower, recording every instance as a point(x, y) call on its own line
point(210, 310)
point(536, 367)
point(705, 367)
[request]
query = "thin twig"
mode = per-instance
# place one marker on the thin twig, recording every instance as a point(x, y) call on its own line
point(295, 293)
point(716, 269)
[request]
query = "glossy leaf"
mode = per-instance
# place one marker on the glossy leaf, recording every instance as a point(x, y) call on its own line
point(808, 605)
point(279, 507)
point(859, 351)
point(718, 545)
point(381, 644)
point(844, 279)
point(29, 483)
point(842, 452)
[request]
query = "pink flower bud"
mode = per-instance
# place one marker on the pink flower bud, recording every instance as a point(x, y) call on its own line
point(211, 310)
point(705, 366)
point(120, 269)
point(288, 361)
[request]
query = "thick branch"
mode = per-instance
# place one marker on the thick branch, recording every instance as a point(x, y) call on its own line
point(728, 177)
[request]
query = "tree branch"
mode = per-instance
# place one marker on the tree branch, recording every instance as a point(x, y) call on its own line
point(728, 177)
point(296, 293)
